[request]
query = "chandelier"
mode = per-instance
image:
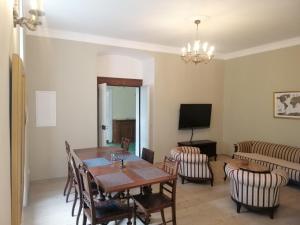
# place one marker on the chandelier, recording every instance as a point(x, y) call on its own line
point(200, 52)
point(32, 21)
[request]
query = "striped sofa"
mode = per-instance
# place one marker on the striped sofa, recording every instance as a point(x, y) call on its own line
point(256, 190)
point(194, 166)
point(273, 156)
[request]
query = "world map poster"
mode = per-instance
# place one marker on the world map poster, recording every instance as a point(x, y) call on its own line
point(287, 105)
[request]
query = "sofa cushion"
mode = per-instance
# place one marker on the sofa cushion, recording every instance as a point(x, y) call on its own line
point(293, 169)
point(278, 151)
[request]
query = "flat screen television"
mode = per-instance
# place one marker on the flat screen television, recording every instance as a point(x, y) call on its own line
point(194, 116)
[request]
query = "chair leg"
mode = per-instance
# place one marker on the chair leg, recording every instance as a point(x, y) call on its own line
point(129, 221)
point(74, 203)
point(84, 219)
point(67, 185)
point(238, 207)
point(272, 213)
point(174, 214)
point(134, 213)
point(147, 219)
point(163, 216)
point(182, 180)
point(78, 214)
point(69, 190)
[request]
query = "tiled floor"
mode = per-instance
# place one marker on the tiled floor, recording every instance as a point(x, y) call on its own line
point(196, 204)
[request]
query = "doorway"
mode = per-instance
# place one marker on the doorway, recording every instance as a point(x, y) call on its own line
point(121, 115)
point(123, 112)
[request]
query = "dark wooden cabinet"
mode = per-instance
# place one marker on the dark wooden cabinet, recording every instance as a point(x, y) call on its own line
point(123, 128)
point(207, 147)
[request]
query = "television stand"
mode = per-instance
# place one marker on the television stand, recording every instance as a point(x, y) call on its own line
point(207, 147)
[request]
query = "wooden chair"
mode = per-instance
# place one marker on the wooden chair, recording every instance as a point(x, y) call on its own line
point(157, 202)
point(77, 185)
point(77, 189)
point(101, 212)
point(147, 155)
point(125, 142)
point(69, 184)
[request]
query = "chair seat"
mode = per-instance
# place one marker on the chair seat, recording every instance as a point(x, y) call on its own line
point(152, 202)
point(105, 210)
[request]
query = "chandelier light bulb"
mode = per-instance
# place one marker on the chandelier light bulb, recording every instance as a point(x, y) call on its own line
point(204, 47)
point(211, 50)
point(183, 51)
point(196, 47)
point(188, 47)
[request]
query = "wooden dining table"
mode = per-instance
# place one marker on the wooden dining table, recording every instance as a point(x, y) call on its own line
point(108, 174)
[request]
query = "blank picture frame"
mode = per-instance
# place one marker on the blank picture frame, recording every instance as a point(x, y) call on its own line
point(45, 108)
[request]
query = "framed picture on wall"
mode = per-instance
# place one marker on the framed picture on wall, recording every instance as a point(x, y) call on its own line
point(287, 104)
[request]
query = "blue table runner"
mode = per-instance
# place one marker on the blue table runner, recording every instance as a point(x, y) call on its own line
point(96, 162)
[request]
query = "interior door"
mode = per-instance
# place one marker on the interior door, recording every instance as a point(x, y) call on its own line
point(144, 117)
point(102, 104)
point(18, 120)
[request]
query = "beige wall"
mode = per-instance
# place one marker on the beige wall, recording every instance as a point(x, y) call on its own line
point(241, 91)
point(70, 68)
point(249, 83)
point(176, 83)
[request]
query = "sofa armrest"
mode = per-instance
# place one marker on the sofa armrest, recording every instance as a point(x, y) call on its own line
point(284, 178)
point(236, 147)
point(244, 146)
point(230, 171)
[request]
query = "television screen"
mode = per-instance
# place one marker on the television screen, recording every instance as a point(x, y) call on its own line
point(194, 116)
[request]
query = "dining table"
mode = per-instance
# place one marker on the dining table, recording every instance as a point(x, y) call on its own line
point(104, 164)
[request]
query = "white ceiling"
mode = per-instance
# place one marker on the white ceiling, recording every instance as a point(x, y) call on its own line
point(233, 25)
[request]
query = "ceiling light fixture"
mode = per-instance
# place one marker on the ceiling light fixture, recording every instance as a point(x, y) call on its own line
point(200, 52)
point(30, 23)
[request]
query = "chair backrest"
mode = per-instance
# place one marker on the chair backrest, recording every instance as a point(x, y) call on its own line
point(148, 155)
point(86, 189)
point(76, 175)
point(68, 151)
point(256, 188)
point(125, 143)
point(170, 166)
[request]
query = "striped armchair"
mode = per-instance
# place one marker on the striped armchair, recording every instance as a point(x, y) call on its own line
point(273, 156)
point(194, 166)
point(256, 190)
